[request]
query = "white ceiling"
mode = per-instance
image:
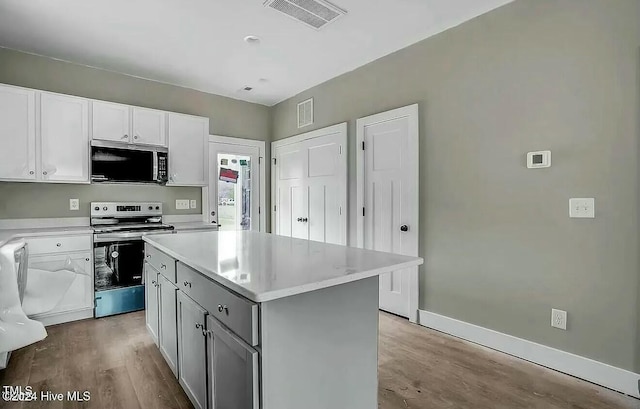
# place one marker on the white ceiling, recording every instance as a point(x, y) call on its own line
point(199, 43)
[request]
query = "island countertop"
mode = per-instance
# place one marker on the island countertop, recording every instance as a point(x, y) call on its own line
point(264, 267)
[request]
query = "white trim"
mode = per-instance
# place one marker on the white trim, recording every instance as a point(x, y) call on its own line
point(261, 145)
point(182, 218)
point(329, 130)
point(341, 129)
point(596, 372)
point(62, 317)
point(44, 223)
point(412, 112)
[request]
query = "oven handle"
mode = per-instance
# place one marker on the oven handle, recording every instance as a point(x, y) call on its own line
point(107, 237)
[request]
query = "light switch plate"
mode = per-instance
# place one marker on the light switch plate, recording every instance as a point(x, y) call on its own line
point(194, 204)
point(182, 204)
point(582, 208)
point(74, 204)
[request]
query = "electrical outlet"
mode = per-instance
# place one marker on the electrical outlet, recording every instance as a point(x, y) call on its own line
point(194, 204)
point(182, 204)
point(559, 319)
point(582, 208)
point(74, 204)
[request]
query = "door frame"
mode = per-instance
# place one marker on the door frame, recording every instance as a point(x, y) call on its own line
point(261, 145)
point(410, 111)
point(341, 129)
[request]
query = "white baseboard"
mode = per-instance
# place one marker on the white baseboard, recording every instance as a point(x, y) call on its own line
point(596, 372)
point(43, 223)
point(62, 317)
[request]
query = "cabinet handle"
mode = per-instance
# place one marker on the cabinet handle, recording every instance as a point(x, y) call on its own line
point(187, 284)
point(304, 220)
point(87, 259)
point(163, 266)
point(31, 172)
point(44, 173)
point(135, 137)
point(300, 219)
point(224, 308)
point(125, 137)
point(58, 244)
point(153, 282)
point(199, 326)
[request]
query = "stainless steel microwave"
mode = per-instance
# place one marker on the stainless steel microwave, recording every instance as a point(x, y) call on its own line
point(117, 163)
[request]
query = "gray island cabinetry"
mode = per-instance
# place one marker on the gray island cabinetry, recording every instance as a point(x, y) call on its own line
point(250, 320)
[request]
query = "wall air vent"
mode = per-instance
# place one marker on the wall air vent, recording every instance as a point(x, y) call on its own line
point(314, 13)
point(305, 113)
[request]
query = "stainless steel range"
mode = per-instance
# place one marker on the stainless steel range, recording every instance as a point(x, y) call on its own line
point(119, 253)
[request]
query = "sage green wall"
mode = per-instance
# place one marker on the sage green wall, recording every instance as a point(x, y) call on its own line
point(499, 246)
point(228, 117)
point(30, 200)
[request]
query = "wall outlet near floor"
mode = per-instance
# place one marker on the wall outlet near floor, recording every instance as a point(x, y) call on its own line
point(582, 208)
point(559, 319)
point(182, 204)
point(74, 204)
point(193, 204)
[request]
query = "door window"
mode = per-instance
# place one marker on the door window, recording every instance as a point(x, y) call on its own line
point(234, 192)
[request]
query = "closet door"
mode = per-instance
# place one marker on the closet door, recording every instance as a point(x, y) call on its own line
point(64, 138)
point(310, 179)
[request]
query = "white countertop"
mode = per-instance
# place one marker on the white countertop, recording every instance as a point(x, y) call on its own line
point(185, 226)
point(6, 235)
point(264, 267)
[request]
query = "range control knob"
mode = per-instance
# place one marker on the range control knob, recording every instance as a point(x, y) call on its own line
point(105, 208)
point(96, 208)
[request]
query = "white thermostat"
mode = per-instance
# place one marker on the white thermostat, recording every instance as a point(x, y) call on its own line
point(540, 159)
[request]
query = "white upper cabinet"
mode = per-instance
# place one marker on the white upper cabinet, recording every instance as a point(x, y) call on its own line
point(111, 122)
point(17, 133)
point(148, 126)
point(64, 133)
point(188, 151)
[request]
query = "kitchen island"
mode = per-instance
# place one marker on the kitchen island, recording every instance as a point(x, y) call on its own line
point(254, 320)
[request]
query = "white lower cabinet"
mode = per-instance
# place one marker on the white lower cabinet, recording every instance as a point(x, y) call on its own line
point(60, 279)
point(168, 332)
point(152, 310)
point(192, 350)
point(233, 374)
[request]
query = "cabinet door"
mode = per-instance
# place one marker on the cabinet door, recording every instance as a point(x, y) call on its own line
point(192, 350)
point(152, 311)
point(149, 126)
point(111, 121)
point(59, 283)
point(17, 133)
point(64, 137)
point(188, 153)
point(233, 370)
point(168, 334)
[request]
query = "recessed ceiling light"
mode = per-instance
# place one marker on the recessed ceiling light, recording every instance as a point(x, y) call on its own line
point(252, 40)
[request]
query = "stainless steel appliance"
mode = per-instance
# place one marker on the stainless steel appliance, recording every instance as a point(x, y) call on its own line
point(112, 162)
point(119, 253)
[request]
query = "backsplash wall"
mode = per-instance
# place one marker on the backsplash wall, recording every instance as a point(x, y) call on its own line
point(42, 200)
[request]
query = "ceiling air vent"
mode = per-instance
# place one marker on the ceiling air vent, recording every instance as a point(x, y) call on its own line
point(314, 13)
point(305, 113)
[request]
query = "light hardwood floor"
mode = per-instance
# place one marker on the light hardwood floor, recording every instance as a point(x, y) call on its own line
point(115, 359)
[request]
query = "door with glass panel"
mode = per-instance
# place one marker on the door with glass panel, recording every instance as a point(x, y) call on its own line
point(234, 196)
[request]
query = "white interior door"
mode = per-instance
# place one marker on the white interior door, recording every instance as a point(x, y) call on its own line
point(388, 199)
point(310, 185)
point(234, 186)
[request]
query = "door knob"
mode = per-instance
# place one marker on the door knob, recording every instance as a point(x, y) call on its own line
point(404, 227)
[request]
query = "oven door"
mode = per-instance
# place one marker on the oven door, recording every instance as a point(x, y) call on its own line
point(118, 262)
point(118, 266)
